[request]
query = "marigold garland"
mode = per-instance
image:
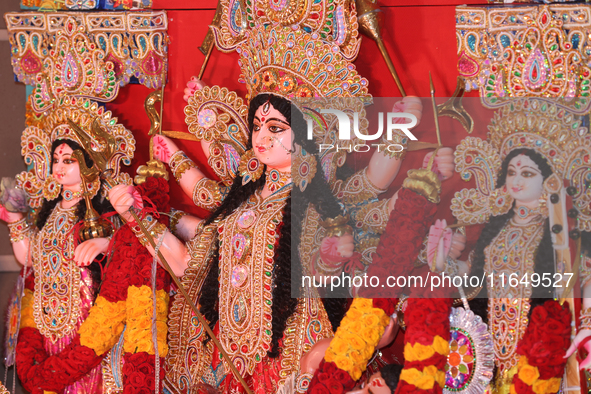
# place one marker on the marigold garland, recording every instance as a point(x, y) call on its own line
point(404, 233)
point(138, 335)
point(27, 319)
point(104, 325)
point(357, 337)
point(541, 363)
point(128, 272)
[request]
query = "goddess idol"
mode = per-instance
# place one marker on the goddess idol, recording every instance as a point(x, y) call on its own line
point(534, 147)
point(239, 263)
point(63, 283)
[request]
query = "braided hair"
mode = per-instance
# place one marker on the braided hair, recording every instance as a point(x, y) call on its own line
point(287, 260)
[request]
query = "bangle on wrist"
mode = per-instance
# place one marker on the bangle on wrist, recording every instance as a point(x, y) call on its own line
point(152, 226)
point(19, 230)
point(179, 164)
point(174, 220)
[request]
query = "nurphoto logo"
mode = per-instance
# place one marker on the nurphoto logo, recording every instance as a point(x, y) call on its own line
point(345, 131)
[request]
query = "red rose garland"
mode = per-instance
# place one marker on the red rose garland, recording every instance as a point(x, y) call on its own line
point(547, 337)
point(427, 319)
point(129, 271)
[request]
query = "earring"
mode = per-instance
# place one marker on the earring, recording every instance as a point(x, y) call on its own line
point(250, 168)
point(51, 188)
point(304, 164)
point(500, 201)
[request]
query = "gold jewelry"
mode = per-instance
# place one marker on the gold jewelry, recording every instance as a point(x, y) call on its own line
point(327, 269)
point(174, 220)
point(51, 188)
point(19, 230)
point(304, 164)
point(337, 227)
point(69, 195)
point(250, 168)
point(207, 194)
point(399, 311)
point(500, 201)
point(585, 319)
point(424, 182)
point(276, 180)
point(58, 293)
point(179, 164)
point(154, 228)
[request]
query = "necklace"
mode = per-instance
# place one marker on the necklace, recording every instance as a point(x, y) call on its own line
point(69, 195)
point(527, 213)
point(275, 180)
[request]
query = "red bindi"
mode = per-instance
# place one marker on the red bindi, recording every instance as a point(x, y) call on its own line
point(262, 119)
point(518, 163)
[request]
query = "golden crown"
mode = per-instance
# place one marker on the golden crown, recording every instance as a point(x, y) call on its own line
point(332, 20)
point(292, 63)
point(36, 142)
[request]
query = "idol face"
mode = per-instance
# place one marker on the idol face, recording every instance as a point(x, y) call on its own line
point(524, 180)
point(272, 138)
point(65, 168)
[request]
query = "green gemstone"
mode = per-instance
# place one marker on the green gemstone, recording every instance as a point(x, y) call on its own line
point(553, 47)
point(268, 332)
point(87, 104)
point(559, 75)
point(267, 273)
point(257, 358)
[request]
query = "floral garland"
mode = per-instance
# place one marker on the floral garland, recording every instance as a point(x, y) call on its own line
point(125, 298)
point(541, 363)
point(427, 334)
point(427, 345)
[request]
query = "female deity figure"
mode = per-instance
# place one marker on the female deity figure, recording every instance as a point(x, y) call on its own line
point(63, 283)
point(241, 262)
point(523, 248)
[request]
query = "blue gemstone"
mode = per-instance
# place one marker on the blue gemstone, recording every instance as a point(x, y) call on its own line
point(505, 41)
point(472, 41)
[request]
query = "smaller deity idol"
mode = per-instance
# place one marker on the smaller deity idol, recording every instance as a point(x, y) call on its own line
point(523, 249)
point(63, 284)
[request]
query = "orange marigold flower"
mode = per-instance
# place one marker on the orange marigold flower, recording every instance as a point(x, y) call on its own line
point(528, 374)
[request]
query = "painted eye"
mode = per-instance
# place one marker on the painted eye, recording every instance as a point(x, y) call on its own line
point(511, 173)
point(527, 174)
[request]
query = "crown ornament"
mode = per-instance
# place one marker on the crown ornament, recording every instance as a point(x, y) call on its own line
point(334, 21)
point(540, 51)
point(526, 123)
point(295, 64)
point(36, 143)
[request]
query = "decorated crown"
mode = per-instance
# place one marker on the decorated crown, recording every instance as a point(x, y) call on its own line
point(36, 143)
point(292, 63)
point(333, 21)
point(528, 123)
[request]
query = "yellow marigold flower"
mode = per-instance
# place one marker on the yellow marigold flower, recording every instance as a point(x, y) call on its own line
point(338, 346)
point(528, 374)
point(370, 320)
point(541, 386)
point(440, 345)
point(27, 318)
point(357, 357)
point(425, 382)
point(522, 361)
point(356, 342)
point(362, 303)
point(353, 314)
point(372, 335)
point(410, 375)
point(553, 385)
point(417, 352)
point(355, 373)
point(440, 378)
point(344, 363)
point(512, 389)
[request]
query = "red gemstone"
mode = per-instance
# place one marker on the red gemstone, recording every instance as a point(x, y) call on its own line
point(234, 347)
point(545, 18)
point(123, 145)
point(244, 349)
point(469, 159)
point(522, 140)
point(31, 145)
point(469, 203)
point(586, 159)
point(552, 153)
point(260, 13)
